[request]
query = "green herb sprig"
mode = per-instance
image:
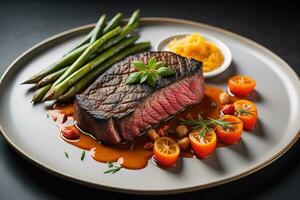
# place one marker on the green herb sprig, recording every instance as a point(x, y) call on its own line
point(206, 125)
point(149, 72)
point(243, 110)
point(82, 155)
point(112, 168)
point(66, 154)
point(213, 104)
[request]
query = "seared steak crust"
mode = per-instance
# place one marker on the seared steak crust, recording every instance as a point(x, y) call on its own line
point(113, 111)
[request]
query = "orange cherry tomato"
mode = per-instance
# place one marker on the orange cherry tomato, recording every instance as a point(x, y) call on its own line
point(247, 112)
point(232, 134)
point(203, 146)
point(241, 86)
point(166, 151)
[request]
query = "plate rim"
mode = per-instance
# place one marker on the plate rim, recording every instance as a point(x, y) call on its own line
point(140, 191)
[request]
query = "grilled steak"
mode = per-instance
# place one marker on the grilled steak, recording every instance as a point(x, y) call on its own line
point(114, 112)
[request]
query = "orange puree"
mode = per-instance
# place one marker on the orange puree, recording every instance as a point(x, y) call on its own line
point(195, 46)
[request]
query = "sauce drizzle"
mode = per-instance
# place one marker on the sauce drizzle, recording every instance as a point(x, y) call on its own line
point(133, 155)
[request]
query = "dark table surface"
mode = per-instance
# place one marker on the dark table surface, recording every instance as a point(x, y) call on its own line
point(24, 23)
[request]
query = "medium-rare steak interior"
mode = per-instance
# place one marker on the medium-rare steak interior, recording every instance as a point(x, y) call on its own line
point(116, 112)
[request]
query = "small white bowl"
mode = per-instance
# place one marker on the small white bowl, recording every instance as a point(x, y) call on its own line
point(162, 46)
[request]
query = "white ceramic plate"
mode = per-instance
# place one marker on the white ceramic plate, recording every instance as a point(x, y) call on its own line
point(162, 46)
point(277, 96)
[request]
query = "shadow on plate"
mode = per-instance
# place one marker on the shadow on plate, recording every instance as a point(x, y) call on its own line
point(259, 130)
point(177, 169)
point(223, 77)
point(242, 149)
point(255, 96)
point(30, 90)
point(214, 162)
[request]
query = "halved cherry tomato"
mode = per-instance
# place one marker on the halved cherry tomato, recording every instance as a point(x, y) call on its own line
point(241, 86)
point(228, 109)
point(70, 133)
point(166, 151)
point(233, 134)
point(247, 112)
point(203, 146)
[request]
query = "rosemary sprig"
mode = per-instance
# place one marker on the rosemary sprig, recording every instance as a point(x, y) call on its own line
point(243, 111)
point(207, 125)
point(220, 122)
point(82, 155)
point(110, 164)
point(112, 168)
point(202, 133)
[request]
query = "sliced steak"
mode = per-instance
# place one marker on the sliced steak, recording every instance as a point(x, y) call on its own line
point(114, 112)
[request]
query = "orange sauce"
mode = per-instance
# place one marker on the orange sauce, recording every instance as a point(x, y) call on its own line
point(129, 155)
point(133, 155)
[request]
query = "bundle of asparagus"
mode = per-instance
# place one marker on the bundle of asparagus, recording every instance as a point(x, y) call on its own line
point(105, 45)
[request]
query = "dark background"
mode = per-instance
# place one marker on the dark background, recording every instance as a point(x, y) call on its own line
point(25, 23)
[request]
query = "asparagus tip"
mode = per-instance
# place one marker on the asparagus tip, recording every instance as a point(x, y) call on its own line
point(36, 97)
point(49, 95)
point(29, 81)
point(32, 79)
point(38, 85)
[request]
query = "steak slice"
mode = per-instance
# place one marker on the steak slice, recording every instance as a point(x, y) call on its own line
point(115, 112)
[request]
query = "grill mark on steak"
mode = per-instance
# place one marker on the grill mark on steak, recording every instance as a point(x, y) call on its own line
point(170, 97)
point(114, 112)
point(158, 108)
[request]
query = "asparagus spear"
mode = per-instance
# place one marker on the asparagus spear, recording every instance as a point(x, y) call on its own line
point(126, 30)
point(98, 29)
point(51, 77)
point(114, 22)
point(87, 53)
point(83, 82)
point(68, 59)
point(134, 17)
point(118, 38)
point(40, 93)
point(79, 49)
point(85, 40)
point(70, 80)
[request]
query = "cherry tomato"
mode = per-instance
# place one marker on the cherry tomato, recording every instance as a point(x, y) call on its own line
point(70, 133)
point(205, 145)
point(230, 135)
point(228, 109)
point(247, 112)
point(241, 86)
point(166, 151)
